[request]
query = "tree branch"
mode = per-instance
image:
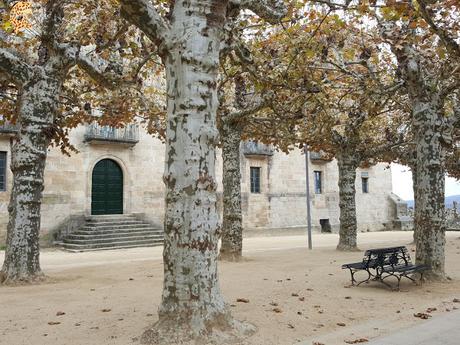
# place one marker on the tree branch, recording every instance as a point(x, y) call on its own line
point(259, 105)
point(14, 66)
point(143, 14)
point(270, 10)
point(450, 43)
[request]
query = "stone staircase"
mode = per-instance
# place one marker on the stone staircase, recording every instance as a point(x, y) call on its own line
point(113, 232)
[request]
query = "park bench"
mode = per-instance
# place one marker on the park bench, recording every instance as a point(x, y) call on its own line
point(383, 263)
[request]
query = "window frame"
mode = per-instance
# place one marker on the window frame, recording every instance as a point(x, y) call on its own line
point(254, 180)
point(4, 167)
point(318, 181)
point(365, 184)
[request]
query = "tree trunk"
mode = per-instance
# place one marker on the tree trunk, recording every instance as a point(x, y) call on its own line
point(428, 127)
point(37, 107)
point(232, 226)
point(414, 188)
point(192, 309)
point(429, 219)
point(347, 203)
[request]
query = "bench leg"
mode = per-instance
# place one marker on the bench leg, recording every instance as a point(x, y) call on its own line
point(366, 280)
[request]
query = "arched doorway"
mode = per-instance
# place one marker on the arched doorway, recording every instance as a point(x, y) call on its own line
point(107, 188)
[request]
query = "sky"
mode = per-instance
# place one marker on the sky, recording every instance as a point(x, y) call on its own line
point(402, 183)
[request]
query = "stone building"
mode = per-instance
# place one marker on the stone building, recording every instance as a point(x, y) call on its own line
point(120, 171)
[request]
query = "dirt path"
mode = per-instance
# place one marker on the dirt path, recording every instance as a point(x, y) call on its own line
point(111, 297)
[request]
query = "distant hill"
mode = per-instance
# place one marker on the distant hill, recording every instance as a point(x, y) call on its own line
point(449, 201)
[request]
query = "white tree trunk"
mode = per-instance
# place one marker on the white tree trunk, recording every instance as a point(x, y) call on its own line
point(232, 226)
point(37, 107)
point(428, 126)
point(192, 308)
point(429, 220)
point(347, 194)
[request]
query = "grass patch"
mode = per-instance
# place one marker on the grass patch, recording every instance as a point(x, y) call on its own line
point(2, 247)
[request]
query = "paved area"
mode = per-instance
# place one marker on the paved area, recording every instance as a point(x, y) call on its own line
point(441, 330)
point(56, 260)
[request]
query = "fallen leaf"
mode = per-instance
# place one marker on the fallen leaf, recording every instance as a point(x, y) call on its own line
point(430, 310)
point(294, 294)
point(274, 304)
point(242, 300)
point(290, 326)
point(422, 316)
point(456, 300)
point(341, 324)
point(347, 297)
point(106, 310)
point(277, 310)
point(59, 313)
point(357, 341)
point(52, 323)
point(301, 299)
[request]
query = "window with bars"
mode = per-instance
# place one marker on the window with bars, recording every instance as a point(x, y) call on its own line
point(318, 176)
point(2, 171)
point(255, 179)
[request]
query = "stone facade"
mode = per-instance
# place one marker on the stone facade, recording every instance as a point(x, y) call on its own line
point(280, 204)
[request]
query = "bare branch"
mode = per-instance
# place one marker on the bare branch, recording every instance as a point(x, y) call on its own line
point(14, 66)
point(143, 14)
point(270, 10)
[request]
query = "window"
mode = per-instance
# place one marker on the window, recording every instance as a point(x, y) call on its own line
point(365, 183)
point(318, 182)
point(255, 179)
point(2, 171)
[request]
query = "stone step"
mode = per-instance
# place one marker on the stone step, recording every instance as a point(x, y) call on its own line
point(112, 246)
point(114, 222)
point(79, 236)
point(116, 231)
point(103, 240)
point(116, 226)
point(112, 232)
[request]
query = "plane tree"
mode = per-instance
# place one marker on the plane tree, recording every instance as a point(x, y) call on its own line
point(41, 45)
point(189, 37)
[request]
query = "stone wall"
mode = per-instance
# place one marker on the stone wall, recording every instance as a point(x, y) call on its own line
point(281, 203)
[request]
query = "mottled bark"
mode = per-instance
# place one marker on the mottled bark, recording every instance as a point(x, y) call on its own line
point(429, 219)
point(347, 193)
point(230, 133)
point(428, 126)
point(232, 225)
point(414, 188)
point(38, 101)
point(192, 306)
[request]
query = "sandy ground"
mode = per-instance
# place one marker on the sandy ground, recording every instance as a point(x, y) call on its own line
point(111, 297)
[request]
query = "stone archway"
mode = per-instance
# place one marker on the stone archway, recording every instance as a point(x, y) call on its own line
point(107, 188)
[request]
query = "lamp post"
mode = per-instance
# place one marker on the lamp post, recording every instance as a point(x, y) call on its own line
point(307, 177)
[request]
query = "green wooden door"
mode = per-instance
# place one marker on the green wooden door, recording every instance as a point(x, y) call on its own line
point(107, 190)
